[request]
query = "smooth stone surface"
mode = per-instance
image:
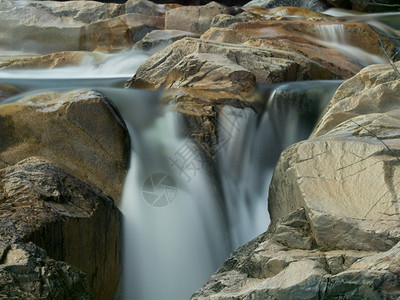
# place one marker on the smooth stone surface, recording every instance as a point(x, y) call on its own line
point(315, 5)
point(80, 130)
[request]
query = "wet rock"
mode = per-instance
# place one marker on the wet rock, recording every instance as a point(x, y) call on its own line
point(268, 65)
point(7, 90)
point(26, 272)
point(192, 18)
point(48, 61)
point(340, 3)
point(320, 41)
point(157, 39)
point(315, 5)
point(81, 130)
point(43, 204)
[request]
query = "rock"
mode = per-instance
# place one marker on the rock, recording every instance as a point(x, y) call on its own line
point(41, 31)
point(268, 65)
point(315, 5)
point(375, 6)
point(7, 90)
point(80, 130)
point(204, 2)
point(118, 33)
point(27, 273)
point(329, 174)
point(211, 72)
point(340, 3)
point(48, 61)
point(373, 90)
point(43, 204)
point(80, 11)
point(161, 38)
point(301, 37)
point(272, 267)
point(192, 18)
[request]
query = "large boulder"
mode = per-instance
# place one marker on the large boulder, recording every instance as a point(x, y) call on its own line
point(330, 174)
point(40, 203)
point(157, 39)
point(267, 65)
point(81, 130)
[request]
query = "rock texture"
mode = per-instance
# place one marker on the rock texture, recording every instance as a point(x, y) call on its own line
point(81, 130)
point(267, 65)
point(335, 227)
point(315, 5)
point(42, 204)
point(285, 264)
point(26, 272)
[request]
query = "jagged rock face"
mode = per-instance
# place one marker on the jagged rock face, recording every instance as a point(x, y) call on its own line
point(80, 130)
point(285, 263)
point(26, 272)
point(42, 204)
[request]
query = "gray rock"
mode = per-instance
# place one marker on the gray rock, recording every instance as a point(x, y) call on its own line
point(158, 39)
point(315, 5)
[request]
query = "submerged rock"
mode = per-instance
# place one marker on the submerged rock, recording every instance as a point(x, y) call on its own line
point(42, 204)
point(80, 130)
point(375, 6)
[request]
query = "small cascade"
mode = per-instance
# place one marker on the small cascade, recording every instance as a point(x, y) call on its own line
point(334, 36)
point(333, 33)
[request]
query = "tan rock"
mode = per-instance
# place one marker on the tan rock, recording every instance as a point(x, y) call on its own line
point(192, 18)
point(268, 65)
point(80, 130)
point(267, 269)
point(157, 39)
point(42, 204)
point(48, 61)
point(330, 174)
point(7, 90)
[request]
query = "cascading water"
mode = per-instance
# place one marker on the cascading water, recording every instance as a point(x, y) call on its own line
point(179, 225)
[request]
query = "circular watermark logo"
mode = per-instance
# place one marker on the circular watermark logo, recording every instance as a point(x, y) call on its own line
point(159, 189)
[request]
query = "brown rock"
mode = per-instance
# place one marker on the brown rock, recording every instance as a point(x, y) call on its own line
point(307, 37)
point(43, 204)
point(192, 18)
point(81, 130)
point(118, 33)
